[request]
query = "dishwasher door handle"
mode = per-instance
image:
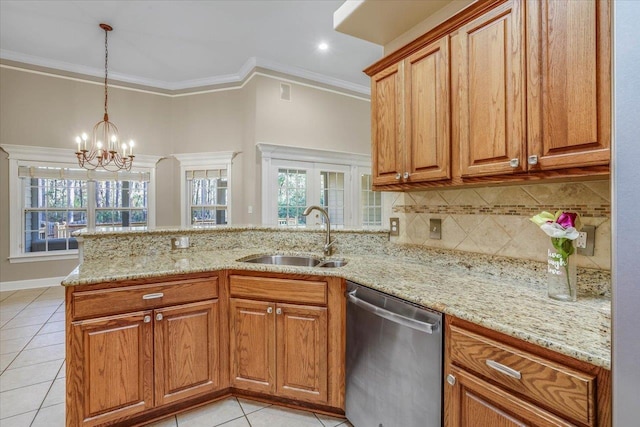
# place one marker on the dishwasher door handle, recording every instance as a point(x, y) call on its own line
point(393, 317)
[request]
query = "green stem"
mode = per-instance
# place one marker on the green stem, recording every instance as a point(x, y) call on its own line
point(566, 269)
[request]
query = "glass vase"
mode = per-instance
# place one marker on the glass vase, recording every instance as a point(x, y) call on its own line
point(561, 273)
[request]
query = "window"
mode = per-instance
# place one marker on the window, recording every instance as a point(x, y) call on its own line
point(370, 202)
point(53, 208)
point(208, 196)
point(205, 193)
point(292, 196)
point(53, 198)
point(294, 178)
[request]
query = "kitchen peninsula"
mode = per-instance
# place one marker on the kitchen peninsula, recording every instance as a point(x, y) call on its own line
point(502, 296)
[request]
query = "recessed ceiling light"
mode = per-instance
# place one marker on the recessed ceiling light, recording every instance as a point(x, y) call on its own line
point(323, 46)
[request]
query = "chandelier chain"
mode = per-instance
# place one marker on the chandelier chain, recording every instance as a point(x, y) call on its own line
point(106, 61)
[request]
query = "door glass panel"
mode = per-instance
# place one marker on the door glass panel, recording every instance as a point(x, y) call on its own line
point(332, 195)
point(292, 196)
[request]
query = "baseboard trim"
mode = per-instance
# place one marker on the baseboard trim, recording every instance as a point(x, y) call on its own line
point(30, 284)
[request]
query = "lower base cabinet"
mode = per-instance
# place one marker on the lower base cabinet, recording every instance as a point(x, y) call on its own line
point(279, 349)
point(141, 351)
point(494, 380)
point(120, 366)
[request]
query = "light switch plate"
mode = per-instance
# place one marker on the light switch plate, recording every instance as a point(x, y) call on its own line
point(435, 228)
point(394, 226)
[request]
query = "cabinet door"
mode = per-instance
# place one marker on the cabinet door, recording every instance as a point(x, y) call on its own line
point(302, 352)
point(569, 75)
point(473, 402)
point(111, 371)
point(186, 351)
point(386, 125)
point(428, 142)
point(489, 87)
point(252, 345)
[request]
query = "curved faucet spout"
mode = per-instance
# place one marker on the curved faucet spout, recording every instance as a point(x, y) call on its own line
point(328, 243)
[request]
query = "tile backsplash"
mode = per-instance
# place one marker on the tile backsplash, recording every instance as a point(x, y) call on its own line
point(495, 220)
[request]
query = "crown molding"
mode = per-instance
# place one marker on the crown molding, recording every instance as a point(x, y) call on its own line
point(205, 159)
point(65, 155)
point(243, 73)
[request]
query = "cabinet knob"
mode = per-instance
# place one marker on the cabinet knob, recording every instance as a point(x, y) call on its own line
point(406, 175)
point(159, 316)
point(279, 311)
point(451, 379)
point(398, 176)
point(147, 319)
point(532, 160)
point(514, 163)
point(269, 310)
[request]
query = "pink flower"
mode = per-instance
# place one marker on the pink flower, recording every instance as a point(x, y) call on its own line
point(567, 219)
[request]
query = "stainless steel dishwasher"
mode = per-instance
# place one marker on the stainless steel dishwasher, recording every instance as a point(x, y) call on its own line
point(394, 361)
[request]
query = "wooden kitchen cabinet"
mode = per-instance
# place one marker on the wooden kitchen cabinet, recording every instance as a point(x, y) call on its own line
point(186, 351)
point(569, 83)
point(529, 97)
point(495, 380)
point(410, 118)
point(489, 123)
point(279, 348)
point(113, 366)
point(126, 364)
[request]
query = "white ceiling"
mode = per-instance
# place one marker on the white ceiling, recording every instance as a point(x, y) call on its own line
point(184, 44)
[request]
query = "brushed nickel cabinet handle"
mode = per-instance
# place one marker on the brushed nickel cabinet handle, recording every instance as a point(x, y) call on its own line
point(532, 160)
point(398, 176)
point(269, 310)
point(406, 175)
point(147, 319)
point(279, 311)
point(514, 163)
point(153, 296)
point(159, 316)
point(451, 379)
point(503, 369)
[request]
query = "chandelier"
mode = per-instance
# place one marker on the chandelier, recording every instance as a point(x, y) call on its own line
point(105, 149)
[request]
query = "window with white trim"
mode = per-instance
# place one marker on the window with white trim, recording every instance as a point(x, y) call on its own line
point(207, 191)
point(52, 197)
point(370, 202)
point(294, 178)
point(205, 183)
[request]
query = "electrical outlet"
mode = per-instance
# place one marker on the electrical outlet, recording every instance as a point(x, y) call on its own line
point(394, 226)
point(181, 242)
point(586, 241)
point(435, 228)
point(581, 241)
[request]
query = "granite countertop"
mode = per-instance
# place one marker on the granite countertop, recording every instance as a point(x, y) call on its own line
point(506, 302)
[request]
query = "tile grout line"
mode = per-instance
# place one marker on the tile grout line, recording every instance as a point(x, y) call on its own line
point(29, 342)
point(46, 394)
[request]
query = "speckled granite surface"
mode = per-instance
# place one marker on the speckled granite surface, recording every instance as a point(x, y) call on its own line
point(503, 294)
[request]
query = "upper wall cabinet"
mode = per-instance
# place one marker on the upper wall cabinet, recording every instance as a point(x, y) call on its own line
point(489, 86)
point(410, 118)
point(569, 83)
point(529, 97)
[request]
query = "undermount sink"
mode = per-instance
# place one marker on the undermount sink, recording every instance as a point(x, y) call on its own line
point(295, 260)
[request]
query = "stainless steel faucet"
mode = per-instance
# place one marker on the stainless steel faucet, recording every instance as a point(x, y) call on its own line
point(328, 244)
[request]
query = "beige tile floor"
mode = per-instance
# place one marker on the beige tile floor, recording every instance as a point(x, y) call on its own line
point(32, 374)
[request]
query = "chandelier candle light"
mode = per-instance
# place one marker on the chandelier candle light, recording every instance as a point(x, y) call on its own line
point(104, 150)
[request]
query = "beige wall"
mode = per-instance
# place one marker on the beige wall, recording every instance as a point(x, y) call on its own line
point(42, 110)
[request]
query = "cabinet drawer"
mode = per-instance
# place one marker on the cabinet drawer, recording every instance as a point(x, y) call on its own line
point(139, 297)
point(566, 390)
point(285, 290)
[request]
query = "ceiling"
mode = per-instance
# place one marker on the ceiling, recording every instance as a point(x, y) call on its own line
point(176, 45)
